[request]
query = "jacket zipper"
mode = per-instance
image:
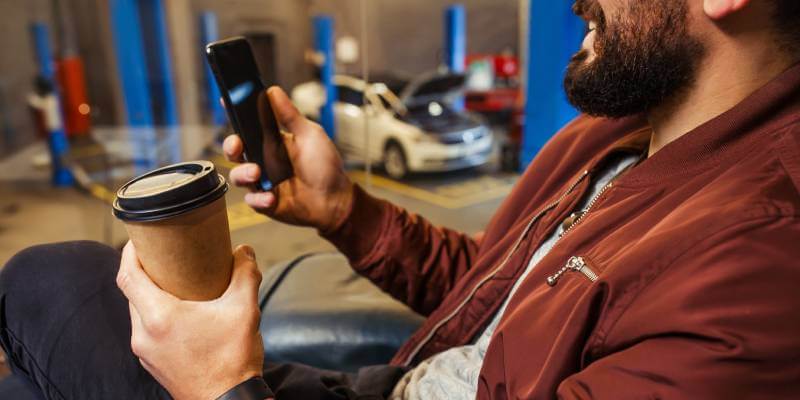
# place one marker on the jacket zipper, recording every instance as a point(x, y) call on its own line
point(577, 263)
point(494, 272)
point(583, 213)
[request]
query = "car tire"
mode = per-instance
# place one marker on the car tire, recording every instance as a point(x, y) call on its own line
point(394, 161)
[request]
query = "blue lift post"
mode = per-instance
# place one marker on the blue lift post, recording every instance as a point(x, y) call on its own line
point(554, 35)
point(129, 51)
point(209, 32)
point(160, 71)
point(57, 139)
point(455, 42)
point(323, 44)
point(154, 28)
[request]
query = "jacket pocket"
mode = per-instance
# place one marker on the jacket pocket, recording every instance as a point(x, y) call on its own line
point(575, 264)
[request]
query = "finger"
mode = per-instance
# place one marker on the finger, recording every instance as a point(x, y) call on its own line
point(245, 174)
point(245, 277)
point(140, 290)
point(286, 113)
point(233, 148)
point(261, 201)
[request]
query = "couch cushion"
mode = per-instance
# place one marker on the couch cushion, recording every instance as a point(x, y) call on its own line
point(317, 311)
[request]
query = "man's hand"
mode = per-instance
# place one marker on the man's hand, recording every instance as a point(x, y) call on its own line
point(319, 194)
point(196, 350)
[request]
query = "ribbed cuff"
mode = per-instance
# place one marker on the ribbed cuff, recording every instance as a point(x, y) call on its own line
point(361, 229)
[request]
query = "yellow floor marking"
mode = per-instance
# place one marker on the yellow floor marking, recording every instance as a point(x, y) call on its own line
point(102, 193)
point(451, 196)
point(241, 216)
point(221, 161)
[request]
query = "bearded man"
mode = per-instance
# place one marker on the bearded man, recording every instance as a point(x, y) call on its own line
point(650, 251)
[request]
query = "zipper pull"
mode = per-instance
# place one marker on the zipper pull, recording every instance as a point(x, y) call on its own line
point(576, 264)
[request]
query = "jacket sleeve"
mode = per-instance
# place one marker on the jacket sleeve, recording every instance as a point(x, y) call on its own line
point(721, 322)
point(405, 255)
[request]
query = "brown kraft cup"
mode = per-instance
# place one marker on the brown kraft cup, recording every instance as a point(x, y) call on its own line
point(177, 220)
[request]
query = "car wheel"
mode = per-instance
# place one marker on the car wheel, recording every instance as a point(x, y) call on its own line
point(394, 161)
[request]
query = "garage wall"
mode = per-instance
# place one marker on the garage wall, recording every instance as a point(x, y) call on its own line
point(407, 36)
point(17, 70)
point(287, 20)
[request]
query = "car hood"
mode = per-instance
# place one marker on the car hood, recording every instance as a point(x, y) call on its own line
point(436, 86)
point(447, 121)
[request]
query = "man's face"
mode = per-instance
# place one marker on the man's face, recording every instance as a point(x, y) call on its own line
point(637, 55)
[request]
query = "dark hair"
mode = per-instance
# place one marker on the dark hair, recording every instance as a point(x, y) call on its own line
point(787, 15)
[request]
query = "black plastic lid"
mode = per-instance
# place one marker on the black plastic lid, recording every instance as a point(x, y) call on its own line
point(169, 191)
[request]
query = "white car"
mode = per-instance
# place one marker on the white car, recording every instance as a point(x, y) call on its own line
point(418, 132)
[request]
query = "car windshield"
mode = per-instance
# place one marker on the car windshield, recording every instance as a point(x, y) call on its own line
point(350, 96)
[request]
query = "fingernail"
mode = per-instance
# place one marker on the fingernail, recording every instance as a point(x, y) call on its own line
point(253, 171)
point(249, 252)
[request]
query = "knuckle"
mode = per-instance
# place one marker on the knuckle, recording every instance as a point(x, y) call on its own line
point(316, 127)
point(257, 276)
point(158, 324)
point(138, 346)
point(253, 317)
point(123, 280)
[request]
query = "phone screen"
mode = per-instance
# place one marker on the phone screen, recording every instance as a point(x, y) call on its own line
point(249, 110)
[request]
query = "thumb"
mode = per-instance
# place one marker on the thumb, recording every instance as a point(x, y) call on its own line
point(137, 286)
point(286, 113)
point(245, 277)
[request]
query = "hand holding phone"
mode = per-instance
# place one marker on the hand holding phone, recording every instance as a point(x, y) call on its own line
point(249, 110)
point(319, 195)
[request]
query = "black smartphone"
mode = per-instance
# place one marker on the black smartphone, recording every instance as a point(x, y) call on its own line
point(248, 108)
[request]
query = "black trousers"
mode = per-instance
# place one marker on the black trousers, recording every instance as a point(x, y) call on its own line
point(65, 327)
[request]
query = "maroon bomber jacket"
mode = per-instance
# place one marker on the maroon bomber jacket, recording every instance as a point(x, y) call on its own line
point(682, 281)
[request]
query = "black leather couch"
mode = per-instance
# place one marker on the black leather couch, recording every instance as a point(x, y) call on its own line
point(315, 311)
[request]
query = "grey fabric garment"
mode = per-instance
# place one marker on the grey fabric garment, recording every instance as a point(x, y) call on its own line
point(453, 374)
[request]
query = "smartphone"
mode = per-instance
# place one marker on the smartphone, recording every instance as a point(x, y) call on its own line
point(248, 109)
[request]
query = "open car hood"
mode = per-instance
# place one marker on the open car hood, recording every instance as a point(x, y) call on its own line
point(433, 86)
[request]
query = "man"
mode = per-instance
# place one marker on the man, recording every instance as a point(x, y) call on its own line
point(647, 252)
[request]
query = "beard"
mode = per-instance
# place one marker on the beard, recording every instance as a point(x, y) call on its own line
point(644, 57)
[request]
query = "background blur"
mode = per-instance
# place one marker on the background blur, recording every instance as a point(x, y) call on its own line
point(94, 92)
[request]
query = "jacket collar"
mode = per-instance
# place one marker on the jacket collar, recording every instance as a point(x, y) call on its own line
point(726, 137)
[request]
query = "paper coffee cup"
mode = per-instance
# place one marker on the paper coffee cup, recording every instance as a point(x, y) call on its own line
point(177, 220)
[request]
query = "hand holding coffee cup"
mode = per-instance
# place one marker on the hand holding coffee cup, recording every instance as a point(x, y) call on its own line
point(177, 221)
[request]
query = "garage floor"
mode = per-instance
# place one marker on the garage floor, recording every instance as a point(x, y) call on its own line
point(32, 212)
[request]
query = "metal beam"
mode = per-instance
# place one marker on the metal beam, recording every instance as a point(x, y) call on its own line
point(455, 43)
point(323, 44)
point(554, 34)
point(133, 75)
point(208, 33)
point(159, 62)
point(455, 18)
point(56, 137)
